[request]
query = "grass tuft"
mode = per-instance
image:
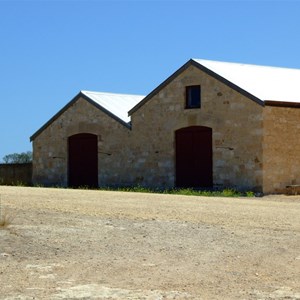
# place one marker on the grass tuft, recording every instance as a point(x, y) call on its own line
point(5, 218)
point(5, 221)
point(184, 191)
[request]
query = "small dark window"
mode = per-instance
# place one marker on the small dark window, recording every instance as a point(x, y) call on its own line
point(193, 96)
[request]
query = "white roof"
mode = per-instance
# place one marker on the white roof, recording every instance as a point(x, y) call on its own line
point(117, 104)
point(265, 83)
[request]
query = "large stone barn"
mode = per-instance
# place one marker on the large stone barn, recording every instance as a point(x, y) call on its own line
point(209, 125)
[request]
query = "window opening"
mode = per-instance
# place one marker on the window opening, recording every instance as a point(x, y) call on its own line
point(193, 96)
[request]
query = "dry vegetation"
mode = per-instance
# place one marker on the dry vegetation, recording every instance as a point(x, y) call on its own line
point(5, 218)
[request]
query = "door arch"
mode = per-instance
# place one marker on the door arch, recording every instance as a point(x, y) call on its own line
point(194, 157)
point(83, 160)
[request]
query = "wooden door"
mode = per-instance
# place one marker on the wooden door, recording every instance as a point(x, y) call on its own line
point(194, 157)
point(83, 160)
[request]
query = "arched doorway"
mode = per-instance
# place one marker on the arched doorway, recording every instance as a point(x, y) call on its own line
point(83, 160)
point(194, 157)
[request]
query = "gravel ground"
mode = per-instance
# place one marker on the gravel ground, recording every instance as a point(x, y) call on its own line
point(80, 244)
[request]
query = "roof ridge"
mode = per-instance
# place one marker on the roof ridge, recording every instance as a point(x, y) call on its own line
point(198, 60)
point(109, 93)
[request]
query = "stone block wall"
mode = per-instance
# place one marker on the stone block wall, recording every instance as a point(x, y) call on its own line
point(281, 148)
point(16, 174)
point(236, 122)
point(50, 147)
point(254, 147)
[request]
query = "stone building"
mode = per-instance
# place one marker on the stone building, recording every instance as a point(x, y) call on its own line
point(209, 125)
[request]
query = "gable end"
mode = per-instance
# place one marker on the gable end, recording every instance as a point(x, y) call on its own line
point(192, 62)
point(77, 97)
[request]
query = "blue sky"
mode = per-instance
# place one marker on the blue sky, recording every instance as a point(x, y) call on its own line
point(50, 50)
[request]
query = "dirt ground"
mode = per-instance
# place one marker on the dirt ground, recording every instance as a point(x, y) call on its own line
point(80, 244)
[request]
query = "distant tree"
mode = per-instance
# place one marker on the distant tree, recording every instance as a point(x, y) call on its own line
point(18, 158)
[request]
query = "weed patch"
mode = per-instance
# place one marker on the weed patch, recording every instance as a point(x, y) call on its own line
point(185, 191)
point(5, 218)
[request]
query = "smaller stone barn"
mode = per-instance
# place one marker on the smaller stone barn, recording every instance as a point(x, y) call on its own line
point(209, 125)
point(85, 143)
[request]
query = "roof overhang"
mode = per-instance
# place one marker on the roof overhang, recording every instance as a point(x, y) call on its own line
point(80, 95)
point(201, 67)
point(282, 104)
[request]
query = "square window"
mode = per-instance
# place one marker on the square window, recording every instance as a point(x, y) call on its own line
point(193, 96)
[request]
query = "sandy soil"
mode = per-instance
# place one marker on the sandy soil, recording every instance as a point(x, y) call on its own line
point(79, 244)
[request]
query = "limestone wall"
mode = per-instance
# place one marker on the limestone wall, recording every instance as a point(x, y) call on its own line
point(237, 127)
point(16, 174)
point(281, 148)
point(50, 148)
point(254, 147)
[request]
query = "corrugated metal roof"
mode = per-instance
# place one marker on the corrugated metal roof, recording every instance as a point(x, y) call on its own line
point(117, 104)
point(263, 82)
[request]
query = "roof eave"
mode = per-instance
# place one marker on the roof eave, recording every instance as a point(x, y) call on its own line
point(229, 83)
point(56, 116)
point(77, 97)
point(196, 64)
point(161, 86)
point(122, 122)
point(282, 103)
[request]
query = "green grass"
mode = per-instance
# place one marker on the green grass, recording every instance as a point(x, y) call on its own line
point(228, 192)
point(185, 191)
point(13, 183)
point(211, 193)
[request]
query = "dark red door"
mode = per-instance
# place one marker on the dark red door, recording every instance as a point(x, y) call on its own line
point(194, 157)
point(83, 160)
